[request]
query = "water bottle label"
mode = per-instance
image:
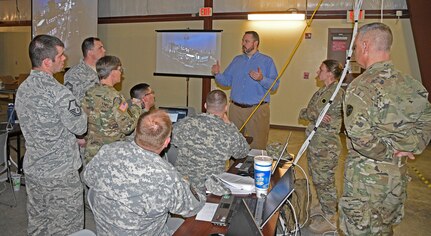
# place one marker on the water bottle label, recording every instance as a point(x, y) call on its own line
point(262, 177)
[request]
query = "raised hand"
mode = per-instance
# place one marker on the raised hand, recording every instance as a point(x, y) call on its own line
point(215, 69)
point(256, 75)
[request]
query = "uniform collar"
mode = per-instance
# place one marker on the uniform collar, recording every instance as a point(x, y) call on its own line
point(380, 64)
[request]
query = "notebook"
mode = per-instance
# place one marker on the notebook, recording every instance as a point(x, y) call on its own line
point(242, 222)
point(273, 201)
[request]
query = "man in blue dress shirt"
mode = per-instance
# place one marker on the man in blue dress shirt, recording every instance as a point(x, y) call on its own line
point(249, 75)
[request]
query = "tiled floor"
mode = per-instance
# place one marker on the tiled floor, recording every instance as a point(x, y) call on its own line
point(417, 211)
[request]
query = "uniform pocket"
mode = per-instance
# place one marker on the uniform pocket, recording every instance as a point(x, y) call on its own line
point(392, 209)
point(355, 214)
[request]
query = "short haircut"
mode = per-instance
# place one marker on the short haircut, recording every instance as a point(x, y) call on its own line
point(380, 33)
point(334, 67)
point(87, 45)
point(139, 90)
point(255, 36)
point(216, 101)
point(43, 47)
point(153, 129)
point(105, 65)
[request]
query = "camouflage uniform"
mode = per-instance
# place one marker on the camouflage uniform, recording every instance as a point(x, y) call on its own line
point(110, 119)
point(50, 117)
point(384, 111)
point(80, 78)
point(325, 146)
point(204, 144)
point(135, 190)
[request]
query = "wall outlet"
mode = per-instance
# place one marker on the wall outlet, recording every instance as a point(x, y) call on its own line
point(399, 13)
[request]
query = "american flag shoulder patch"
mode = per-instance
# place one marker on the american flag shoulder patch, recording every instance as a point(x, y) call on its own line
point(123, 106)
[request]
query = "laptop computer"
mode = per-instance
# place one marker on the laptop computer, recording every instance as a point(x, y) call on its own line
point(264, 208)
point(175, 113)
point(242, 222)
point(247, 167)
point(281, 154)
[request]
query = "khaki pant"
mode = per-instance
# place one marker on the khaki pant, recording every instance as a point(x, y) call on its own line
point(258, 125)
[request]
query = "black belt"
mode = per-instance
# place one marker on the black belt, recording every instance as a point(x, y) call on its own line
point(246, 105)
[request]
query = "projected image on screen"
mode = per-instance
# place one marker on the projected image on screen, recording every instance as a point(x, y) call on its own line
point(69, 20)
point(187, 53)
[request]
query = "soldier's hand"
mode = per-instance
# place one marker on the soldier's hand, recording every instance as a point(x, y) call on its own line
point(81, 142)
point(327, 118)
point(404, 154)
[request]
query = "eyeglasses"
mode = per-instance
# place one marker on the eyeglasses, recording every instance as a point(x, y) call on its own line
point(152, 92)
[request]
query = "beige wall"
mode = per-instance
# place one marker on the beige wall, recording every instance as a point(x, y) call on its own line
point(135, 43)
point(14, 50)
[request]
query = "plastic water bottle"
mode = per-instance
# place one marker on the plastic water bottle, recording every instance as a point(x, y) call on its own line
point(10, 113)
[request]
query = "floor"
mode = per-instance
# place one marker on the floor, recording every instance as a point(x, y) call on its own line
point(13, 221)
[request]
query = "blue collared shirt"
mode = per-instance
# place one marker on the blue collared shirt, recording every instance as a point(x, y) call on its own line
point(245, 90)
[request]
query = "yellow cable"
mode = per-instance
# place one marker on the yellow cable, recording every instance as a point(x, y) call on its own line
point(285, 65)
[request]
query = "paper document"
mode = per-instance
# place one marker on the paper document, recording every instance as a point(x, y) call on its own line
point(207, 212)
point(257, 152)
point(238, 184)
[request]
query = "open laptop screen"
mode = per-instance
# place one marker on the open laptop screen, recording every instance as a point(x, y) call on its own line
point(281, 154)
point(242, 222)
point(175, 113)
point(278, 195)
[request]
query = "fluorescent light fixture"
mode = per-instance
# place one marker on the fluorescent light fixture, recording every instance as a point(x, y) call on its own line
point(277, 16)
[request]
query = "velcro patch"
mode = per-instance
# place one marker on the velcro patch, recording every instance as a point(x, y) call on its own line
point(74, 108)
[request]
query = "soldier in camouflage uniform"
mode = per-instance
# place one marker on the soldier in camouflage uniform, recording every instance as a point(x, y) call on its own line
point(144, 93)
point(83, 76)
point(325, 146)
point(134, 188)
point(50, 117)
point(110, 118)
point(387, 119)
point(207, 140)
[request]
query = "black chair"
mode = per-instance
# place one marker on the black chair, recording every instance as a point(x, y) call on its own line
point(5, 173)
